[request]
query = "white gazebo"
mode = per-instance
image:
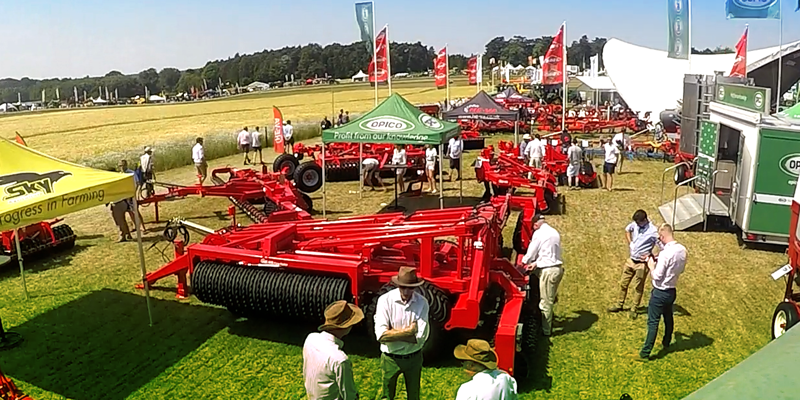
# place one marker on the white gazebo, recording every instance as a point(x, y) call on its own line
point(594, 88)
point(7, 107)
point(360, 77)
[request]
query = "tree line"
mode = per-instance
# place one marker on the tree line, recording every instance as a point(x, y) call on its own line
point(301, 62)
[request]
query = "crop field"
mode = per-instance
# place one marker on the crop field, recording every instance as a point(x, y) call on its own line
point(81, 134)
point(87, 335)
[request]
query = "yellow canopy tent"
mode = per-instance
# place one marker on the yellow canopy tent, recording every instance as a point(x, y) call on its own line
point(35, 187)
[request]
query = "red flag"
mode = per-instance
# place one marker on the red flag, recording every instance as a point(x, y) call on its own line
point(277, 130)
point(20, 140)
point(381, 73)
point(472, 70)
point(440, 68)
point(740, 64)
point(553, 68)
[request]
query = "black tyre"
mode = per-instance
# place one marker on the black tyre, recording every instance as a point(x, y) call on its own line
point(784, 318)
point(553, 205)
point(285, 161)
point(64, 237)
point(307, 199)
point(680, 174)
point(308, 177)
point(516, 240)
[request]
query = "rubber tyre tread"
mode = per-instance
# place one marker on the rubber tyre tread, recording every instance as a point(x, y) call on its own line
point(309, 167)
point(307, 199)
point(792, 318)
point(516, 240)
point(281, 160)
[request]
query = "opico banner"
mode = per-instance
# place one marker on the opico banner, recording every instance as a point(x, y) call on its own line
point(440, 68)
point(740, 64)
point(379, 71)
point(678, 15)
point(472, 70)
point(277, 130)
point(753, 9)
point(553, 67)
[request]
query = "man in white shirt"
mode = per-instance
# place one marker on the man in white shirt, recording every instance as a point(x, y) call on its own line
point(575, 157)
point(199, 158)
point(455, 149)
point(488, 382)
point(255, 144)
point(543, 260)
point(665, 272)
point(146, 164)
point(523, 145)
point(244, 144)
point(401, 326)
point(535, 151)
point(610, 162)
point(288, 137)
point(327, 371)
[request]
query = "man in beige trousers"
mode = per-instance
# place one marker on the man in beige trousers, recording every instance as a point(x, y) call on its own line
point(543, 260)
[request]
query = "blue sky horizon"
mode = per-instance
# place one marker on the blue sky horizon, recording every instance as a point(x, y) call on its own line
point(92, 37)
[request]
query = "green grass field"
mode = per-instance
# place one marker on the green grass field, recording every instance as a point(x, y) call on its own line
point(87, 335)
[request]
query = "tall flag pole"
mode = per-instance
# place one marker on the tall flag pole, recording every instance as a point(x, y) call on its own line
point(447, 72)
point(374, 56)
point(564, 79)
point(479, 73)
point(388, 60)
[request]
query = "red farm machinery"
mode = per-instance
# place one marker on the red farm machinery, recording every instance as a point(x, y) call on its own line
point(555, 162)
point(9, 391)
point(294, 269)
point(787, 313)
point(245, 188)
point(38, 240)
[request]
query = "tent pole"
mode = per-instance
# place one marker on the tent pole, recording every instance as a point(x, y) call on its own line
point(21, 268)
point(461, 171)
point(360, 169)
point(324, 199)
point(146, 285)
point(516, 133)
point(441, 177)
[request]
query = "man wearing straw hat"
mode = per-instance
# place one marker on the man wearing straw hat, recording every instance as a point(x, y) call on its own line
point(327, 371)
point(488, 382)
point(401, 326)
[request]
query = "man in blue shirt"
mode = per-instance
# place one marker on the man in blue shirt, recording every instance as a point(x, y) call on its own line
point(642, 237)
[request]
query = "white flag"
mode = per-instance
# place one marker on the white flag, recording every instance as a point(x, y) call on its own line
point(595, 65)
point(479, 70)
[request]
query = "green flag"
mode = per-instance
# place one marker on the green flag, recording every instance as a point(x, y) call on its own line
point(679, 46)
point(366, 24)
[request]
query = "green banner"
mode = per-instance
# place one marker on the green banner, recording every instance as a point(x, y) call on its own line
point(706, 152)
point(366, 24)
point(778, 167)
point(750, 98)
point(678, 14)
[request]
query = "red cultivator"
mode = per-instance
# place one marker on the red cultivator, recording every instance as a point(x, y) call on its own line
point(548, 119)
point(38, 239)
point(506, 173)
point(555, 161)
point(244, 188)
point(294, 269)
point(492, 126)
point(9, 391)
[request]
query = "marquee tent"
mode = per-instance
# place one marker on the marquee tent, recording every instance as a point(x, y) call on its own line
point(360, 76)
point(511, 95)
point(394, 121)
point(37, 187)
point(481, 107)
point(659, 86)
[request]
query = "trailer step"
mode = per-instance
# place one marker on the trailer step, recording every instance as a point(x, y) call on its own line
point(688, 210)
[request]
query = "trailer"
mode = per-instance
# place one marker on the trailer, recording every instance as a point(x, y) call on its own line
point(746, 168)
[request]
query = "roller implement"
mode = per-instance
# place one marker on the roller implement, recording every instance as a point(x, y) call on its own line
point(295, 269)
point(38, 240)
point(506, 174)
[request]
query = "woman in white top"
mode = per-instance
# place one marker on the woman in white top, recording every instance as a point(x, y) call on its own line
point(430, 166)
point(399, 158)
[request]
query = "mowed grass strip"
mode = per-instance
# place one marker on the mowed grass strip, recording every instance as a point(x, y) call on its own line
point(725, 303)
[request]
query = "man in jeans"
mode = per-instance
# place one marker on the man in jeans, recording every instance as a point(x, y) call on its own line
point(642, 237)
point(543, 260)
point(665, 273)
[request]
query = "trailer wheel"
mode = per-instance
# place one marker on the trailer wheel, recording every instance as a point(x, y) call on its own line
point(308, 177)
point(287, 161)
point(307, 199)
point(784, 318)
point(680, 174)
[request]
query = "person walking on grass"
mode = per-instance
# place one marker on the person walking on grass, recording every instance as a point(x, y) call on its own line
point(543, 260)
point(488, 383)
point(244, 144)
point(401, 326)
point(340, 118)
point(255, 143)
point(455, 150)
point(575, 157)
point(199, 159)
point(642, 237)
point(327, 371)
point(371, 173)
point(123, 167)
point(288, 137)
point(664, 273)
point(535, 151)
point(610, 162)
point(430, 166)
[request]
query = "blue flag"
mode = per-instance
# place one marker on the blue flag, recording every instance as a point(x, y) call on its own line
point(678, 14)
point(753, 9)
point(366, 24)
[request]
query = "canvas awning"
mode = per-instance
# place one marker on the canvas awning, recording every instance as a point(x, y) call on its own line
point(601, 83)
point(394, 121)
point(481, 107)
point(511, 95)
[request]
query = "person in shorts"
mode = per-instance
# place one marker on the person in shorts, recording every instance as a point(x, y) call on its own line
point(430, 166)
point(455, 150)
point(575, 156)
point(371, 173)
point(255, 145)
point(610, 162)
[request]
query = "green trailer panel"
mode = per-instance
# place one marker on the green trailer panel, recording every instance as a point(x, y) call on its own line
point(777, 170)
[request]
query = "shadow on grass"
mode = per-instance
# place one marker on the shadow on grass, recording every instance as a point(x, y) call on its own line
point(100, 347)
point(683, 342)
point(680, 311)
point(429, 202)
point(571, 324)
point(41, 261)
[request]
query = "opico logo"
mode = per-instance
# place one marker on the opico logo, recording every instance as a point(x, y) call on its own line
point(678, 27)
point(755, 4)
point(386, 124)
point(759, 100)
point(552, 59)
point(678, 6)
point(790, 164)
point(721, 94)
point(430, 122)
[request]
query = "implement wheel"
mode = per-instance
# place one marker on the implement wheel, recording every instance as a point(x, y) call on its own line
point(784, 318)
point(308, 177)
point(287, 162)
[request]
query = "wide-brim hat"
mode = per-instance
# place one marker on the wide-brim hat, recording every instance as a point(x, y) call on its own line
point(478, 351)
point(341, 315)
point(526, 136)
point(407, 277)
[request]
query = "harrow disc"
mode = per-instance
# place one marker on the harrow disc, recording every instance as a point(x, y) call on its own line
point(262, 292)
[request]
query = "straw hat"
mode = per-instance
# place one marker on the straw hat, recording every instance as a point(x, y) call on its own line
point(341, 315)
point(526, 136)
point(407, 277)
point(477, 351)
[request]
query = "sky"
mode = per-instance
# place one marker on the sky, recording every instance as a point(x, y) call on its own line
point(59, 38)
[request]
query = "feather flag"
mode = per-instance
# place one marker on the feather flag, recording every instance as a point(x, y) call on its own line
point(553, 68)
point(740, 64)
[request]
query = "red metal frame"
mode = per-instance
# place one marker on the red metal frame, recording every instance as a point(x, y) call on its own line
point(38, 230)
point(370, 249)
point(507, 172)
point(344, 155)
point(9, 391)
point(794, 258)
